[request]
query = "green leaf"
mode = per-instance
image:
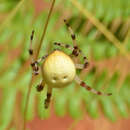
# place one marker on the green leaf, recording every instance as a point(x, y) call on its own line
point(92, 108)
point(7, 107)
point(60, 104)
point(108, 108)
point(74, 106)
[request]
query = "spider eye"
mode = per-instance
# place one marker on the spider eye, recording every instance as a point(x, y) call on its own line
point(65, 77)
point(54, 79)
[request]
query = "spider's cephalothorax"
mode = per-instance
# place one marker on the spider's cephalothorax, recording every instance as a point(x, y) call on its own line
point(58, 69)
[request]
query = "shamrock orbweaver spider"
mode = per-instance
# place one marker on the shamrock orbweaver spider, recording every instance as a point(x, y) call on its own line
point(58, 69)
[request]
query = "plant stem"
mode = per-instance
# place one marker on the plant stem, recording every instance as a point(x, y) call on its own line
point(45, 28)
point(126, 38)
point(27, 101)
point(37, 53)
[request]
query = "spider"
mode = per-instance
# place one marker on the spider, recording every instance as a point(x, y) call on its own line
point(58, 69)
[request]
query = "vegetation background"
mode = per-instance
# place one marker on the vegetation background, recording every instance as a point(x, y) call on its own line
point(103, 33)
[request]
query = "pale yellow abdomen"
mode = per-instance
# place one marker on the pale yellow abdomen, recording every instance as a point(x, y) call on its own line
point(58, 70)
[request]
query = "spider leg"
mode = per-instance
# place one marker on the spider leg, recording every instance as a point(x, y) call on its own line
point(83, 84)
point(64, 45)
point(76, 51)
point(40, 86)
point(49, 93)
point(71, 32)
point(82, 66)
point(48, 98)
point(30, 47)
point(42, 58)
point(79, 66)
point(34, 63)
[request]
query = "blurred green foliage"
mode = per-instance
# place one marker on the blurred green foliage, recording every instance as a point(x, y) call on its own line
point(15, 72)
